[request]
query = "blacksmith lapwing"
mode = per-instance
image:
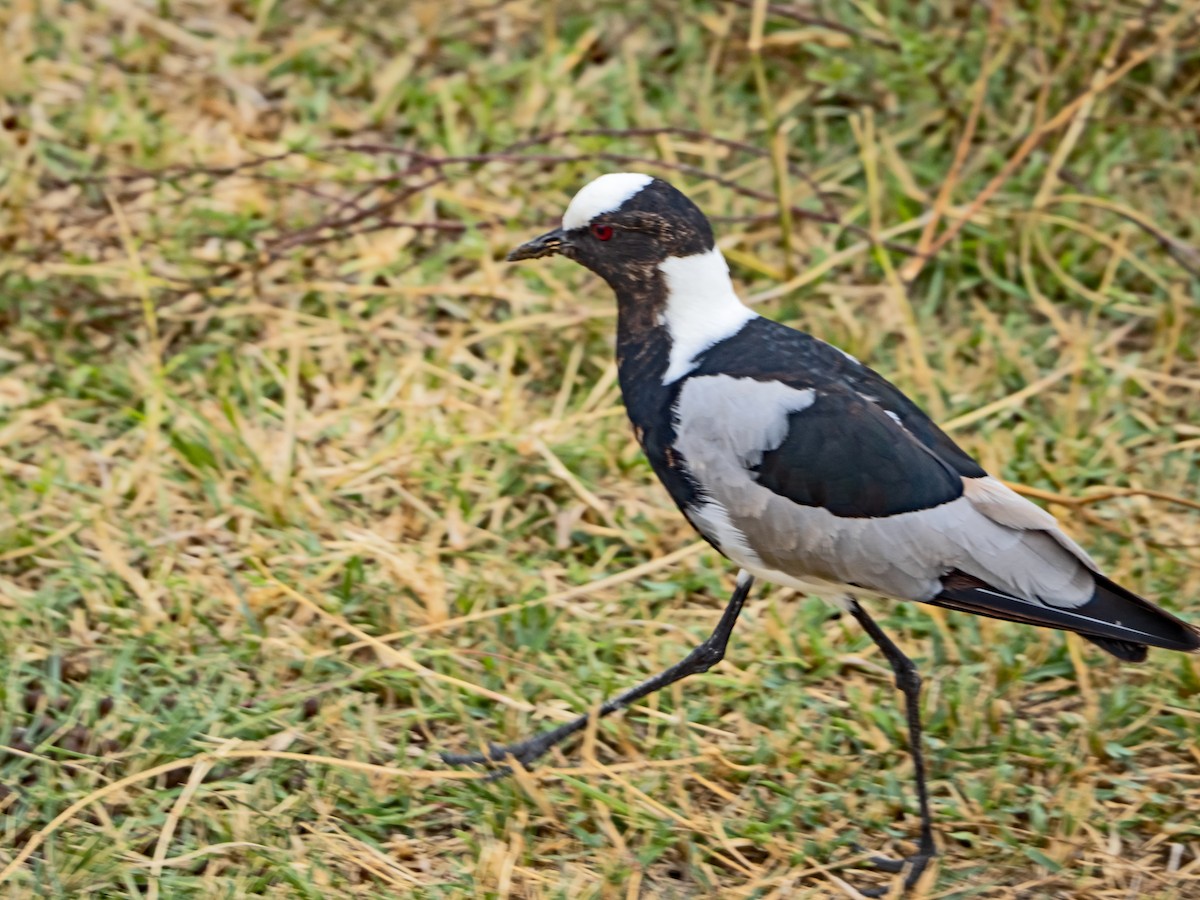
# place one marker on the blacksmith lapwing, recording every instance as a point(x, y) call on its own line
point(806, 468)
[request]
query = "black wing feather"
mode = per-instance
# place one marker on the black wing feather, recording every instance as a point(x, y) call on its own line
point(846, 455)
point(870, 383)
point(800, 360)
point(845, 452)
point(1115, 619)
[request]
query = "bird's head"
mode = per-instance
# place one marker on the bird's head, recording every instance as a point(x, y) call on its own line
point(624, 226)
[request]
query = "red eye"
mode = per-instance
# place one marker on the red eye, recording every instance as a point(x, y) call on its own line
point(602, 232)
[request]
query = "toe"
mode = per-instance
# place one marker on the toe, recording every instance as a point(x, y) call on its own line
point(887, 864)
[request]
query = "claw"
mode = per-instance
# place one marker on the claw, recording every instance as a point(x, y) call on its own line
point(496, 753)
point(524, 753)
point(887, 864)
point(915, 865)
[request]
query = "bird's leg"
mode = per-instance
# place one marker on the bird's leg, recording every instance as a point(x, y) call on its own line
point(702, 658)
point(908, 681)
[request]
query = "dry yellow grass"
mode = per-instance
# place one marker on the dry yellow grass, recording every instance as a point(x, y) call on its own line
point(299, 484)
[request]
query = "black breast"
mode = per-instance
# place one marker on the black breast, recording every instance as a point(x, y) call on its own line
point(642, 361)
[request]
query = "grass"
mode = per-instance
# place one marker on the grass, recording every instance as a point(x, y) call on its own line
point(300, 484)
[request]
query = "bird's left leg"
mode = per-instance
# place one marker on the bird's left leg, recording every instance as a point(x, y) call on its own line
point(908, 681)
point(702, 658)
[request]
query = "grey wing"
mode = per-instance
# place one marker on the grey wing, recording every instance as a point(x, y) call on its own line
point(804, 483)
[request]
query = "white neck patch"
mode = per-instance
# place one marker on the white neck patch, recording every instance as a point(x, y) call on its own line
point(605, 194)
point(702, 308)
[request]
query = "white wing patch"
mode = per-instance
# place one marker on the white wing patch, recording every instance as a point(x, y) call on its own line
point(604, 194)
point(702, 308)
point(756, 413)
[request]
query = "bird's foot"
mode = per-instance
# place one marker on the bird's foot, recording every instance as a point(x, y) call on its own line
point(914, 866)
point(523, 752)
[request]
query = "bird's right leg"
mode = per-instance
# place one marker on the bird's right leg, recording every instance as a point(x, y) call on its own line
point(702, 658)
point(908, 682)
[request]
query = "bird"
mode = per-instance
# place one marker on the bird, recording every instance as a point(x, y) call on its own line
point(806, 468)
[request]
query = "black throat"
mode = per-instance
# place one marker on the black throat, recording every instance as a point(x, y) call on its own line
point(643, 355)
point(643, 344)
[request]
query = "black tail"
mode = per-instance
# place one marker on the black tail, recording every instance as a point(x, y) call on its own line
point(1115, 619)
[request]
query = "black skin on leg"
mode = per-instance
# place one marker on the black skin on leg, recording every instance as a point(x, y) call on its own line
point(908, 681)
point(702, 658)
